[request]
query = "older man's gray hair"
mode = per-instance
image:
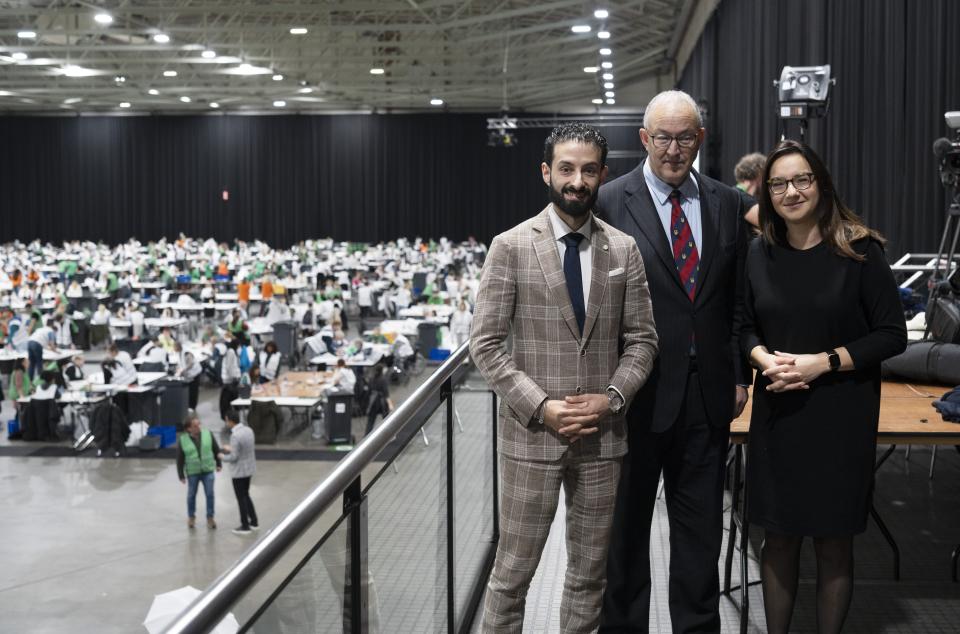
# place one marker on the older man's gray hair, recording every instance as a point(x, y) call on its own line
point(671, 98)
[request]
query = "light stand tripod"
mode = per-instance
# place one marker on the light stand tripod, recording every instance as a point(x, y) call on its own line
point(937, 283)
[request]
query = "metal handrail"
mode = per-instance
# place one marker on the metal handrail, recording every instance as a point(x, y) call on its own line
point(212, 605)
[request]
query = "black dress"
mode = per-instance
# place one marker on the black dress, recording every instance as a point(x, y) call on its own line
point(811, 452)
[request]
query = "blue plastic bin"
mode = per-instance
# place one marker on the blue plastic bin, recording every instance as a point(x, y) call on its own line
point(167, 433)
point(13, 427)
point(439, 354)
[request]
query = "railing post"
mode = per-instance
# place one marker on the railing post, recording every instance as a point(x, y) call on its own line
point(447, 392)
point(355, 597)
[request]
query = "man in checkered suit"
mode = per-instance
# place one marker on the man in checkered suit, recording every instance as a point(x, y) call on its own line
point(563, 331)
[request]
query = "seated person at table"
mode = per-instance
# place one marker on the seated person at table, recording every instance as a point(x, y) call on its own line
point(100, 317)
point(152, 352)
point(343, 377)
point(118, 368)
point(73, 371)
point(136, 318)
point(166, 340)
point(338, 343)
point(236, 323)
point(402, 349)
point(74, 290)
point(47, 388)
point(269, 362)
point(355, 348)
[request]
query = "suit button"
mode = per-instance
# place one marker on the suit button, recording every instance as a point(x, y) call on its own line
point(583, 352)
point(579, 390)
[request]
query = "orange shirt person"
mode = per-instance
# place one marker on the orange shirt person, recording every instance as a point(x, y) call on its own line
point(243, 292)
point(266, 289)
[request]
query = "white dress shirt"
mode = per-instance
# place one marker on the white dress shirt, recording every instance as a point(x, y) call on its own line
point(561, 229)
point(690, 203)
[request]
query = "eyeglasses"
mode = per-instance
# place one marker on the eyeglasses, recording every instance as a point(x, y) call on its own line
point(686, 140)
point(800, 183)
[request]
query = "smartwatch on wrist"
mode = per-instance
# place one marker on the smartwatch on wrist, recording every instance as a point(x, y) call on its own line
point(614, 400)
point(834, 360)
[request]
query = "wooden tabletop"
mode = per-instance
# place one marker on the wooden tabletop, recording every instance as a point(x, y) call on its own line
point(296, 384)
point(906, 417)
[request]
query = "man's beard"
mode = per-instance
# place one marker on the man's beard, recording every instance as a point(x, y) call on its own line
point(575, 208)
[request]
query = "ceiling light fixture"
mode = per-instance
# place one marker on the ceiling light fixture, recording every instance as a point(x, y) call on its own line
point(277, 77)
point(606, 65)
point(124, 104)
point(279, 103)
point(603, 35)
point(169, 73)
point(608, 76)
point(376, 71)
point(214, 104)
point(161, 38)
point(609, 94)
point(298, 30)
point(27, 35)
point(19, 56)
point(208, 54)
point(606, 51)
point(153, 91)
point(436, 102)
point(103, 18)
point(71, 70)
point(580, 28)
point(305, 90)
point(608, 85)
point(590, 69)
point(601, 14)
point(185, 99)
point(597, 101)
point(120, 79)
point(610, 102)
point(72, 100)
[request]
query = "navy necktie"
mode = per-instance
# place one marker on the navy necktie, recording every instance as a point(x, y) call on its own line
point(571, 271)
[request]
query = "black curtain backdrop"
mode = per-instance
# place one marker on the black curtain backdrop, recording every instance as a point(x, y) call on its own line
point(897, 64)
point(350, 177)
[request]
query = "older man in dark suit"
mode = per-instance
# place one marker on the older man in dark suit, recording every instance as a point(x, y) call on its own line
point(689, 230)
point(570, 293)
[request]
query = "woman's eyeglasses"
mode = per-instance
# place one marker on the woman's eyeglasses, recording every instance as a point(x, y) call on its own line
point(800, 182)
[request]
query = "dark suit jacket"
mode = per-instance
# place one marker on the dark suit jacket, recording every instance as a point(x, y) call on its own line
point(713, 316)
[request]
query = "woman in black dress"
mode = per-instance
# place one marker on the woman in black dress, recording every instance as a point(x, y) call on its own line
point(822, 312)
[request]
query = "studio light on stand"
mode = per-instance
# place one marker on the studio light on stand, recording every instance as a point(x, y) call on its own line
point(501, 131)
point(803, 93)
point(943, 305)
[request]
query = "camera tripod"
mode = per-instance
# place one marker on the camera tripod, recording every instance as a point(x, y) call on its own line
point(939, 282)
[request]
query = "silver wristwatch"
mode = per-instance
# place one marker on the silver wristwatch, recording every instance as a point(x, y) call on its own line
point(615, 400)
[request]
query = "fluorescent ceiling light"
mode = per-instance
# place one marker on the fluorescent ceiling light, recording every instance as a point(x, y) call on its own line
point(376, 71)
point(305, 90)
point(597, 101)
point(247, 69)
point(71, 70)
point(27, 35)
point(608, 76)
point(601, 14)
point(298, 30)
point(606, 65)
point(19, 56)
point(580, 28)
point(103, 18)
point(603, 35)
point(277, 77)
point(610, 102)
point(279, 103)
point(436, 102)
point(124, 104)
point(590, 69)
point(72, 100)
point(609, 94)
point(606, 51)
point(169, 73)
point(185, 99)
point(153, 91)
point(608, 85)
point(161, 38)
point(208, 54)
point(214, 104)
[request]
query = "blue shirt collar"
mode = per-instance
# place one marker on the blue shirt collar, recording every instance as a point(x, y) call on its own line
point(661, 190)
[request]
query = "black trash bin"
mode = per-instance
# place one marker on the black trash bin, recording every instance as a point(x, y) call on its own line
point(337, 417)
point(174, 401)
point(427, 333)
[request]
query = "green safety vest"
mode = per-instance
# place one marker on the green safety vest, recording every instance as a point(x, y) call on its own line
point(196, 464)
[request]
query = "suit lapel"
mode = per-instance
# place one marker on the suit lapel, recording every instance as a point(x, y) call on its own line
point(639, 202)
point(600, 267)
point(710, 223)
point(544, 245)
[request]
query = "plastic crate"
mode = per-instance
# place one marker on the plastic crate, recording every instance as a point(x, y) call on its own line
point(438, 354)
point(167, 434)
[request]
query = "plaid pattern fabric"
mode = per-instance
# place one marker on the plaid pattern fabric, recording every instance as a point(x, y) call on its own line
point(526, 341)
point(242, 456)
point(528, 503)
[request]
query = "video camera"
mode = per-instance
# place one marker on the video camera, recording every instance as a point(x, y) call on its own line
point(947, 151)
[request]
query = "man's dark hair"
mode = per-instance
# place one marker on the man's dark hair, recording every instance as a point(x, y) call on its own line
point(579, 132)
point(232, 415)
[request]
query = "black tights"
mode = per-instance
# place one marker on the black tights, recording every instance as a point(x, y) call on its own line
point(780, 565)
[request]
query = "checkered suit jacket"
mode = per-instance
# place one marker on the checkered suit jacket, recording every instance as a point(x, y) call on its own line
point(526, 343)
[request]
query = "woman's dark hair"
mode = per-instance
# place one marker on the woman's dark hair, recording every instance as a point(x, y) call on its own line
point(270, 347)
point(839, 225)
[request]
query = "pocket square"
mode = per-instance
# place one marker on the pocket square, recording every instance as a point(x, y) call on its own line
point(616, 271)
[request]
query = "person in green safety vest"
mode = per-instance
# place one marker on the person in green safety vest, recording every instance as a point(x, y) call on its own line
point(198, 459)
